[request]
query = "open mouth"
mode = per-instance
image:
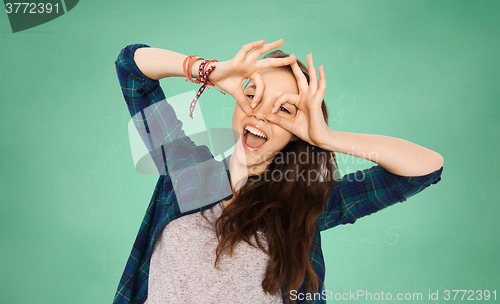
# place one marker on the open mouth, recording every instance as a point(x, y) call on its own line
point(253, 138)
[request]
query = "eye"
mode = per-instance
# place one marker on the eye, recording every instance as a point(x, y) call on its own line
point(250, 96)
point(282, 108)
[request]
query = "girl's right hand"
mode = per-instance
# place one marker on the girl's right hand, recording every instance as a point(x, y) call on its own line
point(230, 75)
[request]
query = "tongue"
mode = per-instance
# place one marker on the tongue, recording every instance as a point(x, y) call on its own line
point(254, 141)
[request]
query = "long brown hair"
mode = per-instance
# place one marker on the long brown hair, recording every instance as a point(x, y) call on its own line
point(284, 202)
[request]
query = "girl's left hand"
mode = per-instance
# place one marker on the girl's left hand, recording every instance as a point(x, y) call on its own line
point(309, 124)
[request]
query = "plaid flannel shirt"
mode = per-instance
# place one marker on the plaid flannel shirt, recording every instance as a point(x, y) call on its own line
point(356, 195)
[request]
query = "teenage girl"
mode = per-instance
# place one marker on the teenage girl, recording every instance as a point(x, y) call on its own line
point(259, 243)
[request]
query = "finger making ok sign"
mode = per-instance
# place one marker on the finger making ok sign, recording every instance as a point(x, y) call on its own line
point(309, 123)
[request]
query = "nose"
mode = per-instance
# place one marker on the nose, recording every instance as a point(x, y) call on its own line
point(262, 109)
point(260, 116)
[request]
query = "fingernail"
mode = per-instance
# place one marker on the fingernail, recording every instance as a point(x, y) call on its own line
point(253, 105)
point(273, 110)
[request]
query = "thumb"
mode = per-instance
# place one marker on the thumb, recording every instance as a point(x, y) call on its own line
point(280, 121)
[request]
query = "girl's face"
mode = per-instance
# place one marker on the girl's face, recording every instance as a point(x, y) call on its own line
point(260, 140)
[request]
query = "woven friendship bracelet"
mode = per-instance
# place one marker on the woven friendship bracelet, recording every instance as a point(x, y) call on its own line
point(204, 73)
point(208, 82)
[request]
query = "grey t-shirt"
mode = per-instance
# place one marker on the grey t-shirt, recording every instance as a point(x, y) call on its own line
point(182, 266)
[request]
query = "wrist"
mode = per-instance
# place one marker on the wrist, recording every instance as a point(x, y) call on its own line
point(329, 141)
point(195, 69)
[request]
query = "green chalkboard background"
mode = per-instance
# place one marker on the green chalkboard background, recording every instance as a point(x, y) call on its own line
point(425, 71)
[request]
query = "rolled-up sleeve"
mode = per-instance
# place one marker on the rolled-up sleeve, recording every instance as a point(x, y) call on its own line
point(367, 191)
point(138, 90)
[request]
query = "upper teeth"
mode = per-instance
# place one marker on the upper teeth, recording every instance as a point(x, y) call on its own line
point(255, 131)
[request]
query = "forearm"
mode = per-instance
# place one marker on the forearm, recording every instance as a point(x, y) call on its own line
point(158, 63)
point(396, 155)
